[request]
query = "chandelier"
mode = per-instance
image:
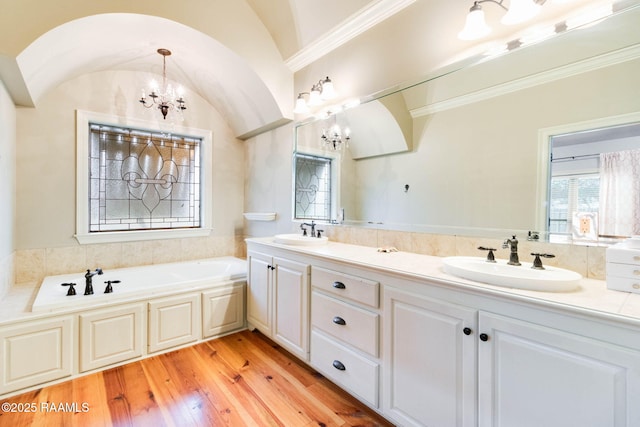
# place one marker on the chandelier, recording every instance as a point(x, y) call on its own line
point(518, 11)
point(165, 97)
point(335, 138)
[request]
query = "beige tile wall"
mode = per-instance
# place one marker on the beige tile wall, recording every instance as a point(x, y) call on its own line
point(7, 265)
point(32, 265)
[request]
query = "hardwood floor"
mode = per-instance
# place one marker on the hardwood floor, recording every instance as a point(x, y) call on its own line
point(242, 379)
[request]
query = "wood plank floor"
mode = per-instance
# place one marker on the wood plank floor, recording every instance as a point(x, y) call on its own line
point(242, 379)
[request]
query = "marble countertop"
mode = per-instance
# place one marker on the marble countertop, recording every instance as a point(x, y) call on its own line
point(592, 297)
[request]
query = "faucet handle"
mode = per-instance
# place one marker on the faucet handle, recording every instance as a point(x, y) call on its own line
point(72, 290)
point(537, 262)
point(109, 289)
point(490, 256)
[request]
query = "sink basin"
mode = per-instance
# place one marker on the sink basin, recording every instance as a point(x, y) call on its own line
point(551, 279)
point(300, 240)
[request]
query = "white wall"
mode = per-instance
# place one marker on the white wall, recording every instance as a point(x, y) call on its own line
point(7, 189)
point(46, 176)
point(268, 180)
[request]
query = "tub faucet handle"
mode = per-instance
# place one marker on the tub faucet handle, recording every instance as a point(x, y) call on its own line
point(109, 289)
point(72, 290)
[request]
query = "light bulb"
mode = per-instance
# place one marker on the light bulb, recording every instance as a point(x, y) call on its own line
point(475, 26)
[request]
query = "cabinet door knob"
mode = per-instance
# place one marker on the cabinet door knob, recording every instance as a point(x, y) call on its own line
point(339, 365)
point(339, 321)
point(467, 331)
point(484, 337)
point(339, 285)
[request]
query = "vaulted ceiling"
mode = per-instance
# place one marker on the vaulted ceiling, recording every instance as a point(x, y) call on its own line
point(262, 43)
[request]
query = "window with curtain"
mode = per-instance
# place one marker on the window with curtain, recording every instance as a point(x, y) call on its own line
point(620, 193)
point(570, 194)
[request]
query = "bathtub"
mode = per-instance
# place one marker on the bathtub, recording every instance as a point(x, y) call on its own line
point(137, 282)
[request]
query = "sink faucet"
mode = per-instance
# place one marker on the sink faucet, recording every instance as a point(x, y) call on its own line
point(313, 228)
point(88, 288)
point(512, 243)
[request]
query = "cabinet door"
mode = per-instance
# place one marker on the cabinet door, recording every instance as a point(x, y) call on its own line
point(291, 311)
point(530, 375)
point(222, 310)
point(111, 336)
point(429, 360)
point(35, 352)
point(174, 321)
point(259, 292)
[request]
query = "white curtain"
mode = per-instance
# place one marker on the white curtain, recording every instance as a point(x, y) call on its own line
point(620, 193)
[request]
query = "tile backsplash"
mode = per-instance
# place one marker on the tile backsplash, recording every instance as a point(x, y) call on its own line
point(32, 265)
point(586, 260)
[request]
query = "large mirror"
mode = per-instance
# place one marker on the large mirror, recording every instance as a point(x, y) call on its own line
point(468, 152)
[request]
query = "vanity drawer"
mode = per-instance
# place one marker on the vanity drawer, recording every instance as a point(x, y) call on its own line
point(355, 373)
point(624, 284)
point(343, 285)
point(624, 270)
point(346, 322)
point(623, 256)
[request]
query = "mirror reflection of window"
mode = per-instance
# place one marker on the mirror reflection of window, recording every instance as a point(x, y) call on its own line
point(595, 183)
point(312, 187)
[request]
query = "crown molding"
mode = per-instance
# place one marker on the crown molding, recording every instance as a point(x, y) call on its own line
point(579, 67)
point(351, 27)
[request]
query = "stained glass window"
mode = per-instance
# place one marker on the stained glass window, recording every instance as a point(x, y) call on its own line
point(142, 180)
point(312, 187)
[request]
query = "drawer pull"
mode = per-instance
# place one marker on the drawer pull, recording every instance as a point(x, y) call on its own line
point(338, 365)
point(636, 258)
point(339, 321)
point(339, 285)
point(635, 286)
point(636, 272)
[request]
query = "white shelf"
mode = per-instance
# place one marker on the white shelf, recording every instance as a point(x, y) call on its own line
point(260, 216)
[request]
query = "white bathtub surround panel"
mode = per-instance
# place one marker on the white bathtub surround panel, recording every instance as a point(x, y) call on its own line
point(147, 281)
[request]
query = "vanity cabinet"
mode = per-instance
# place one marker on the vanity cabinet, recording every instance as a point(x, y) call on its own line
point(345, 331)
point(430, 361)
point(526, 374)
point(532, 375)
point(35, 352)
point(278, 300)
point(111, 335)
point(428, 351)
point(174, 321)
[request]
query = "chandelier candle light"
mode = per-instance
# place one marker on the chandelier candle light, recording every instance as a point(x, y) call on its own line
point(166, 97)
point(335, 138)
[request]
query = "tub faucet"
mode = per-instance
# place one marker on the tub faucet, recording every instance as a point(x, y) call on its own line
point(512, 243)
point(88, 288)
